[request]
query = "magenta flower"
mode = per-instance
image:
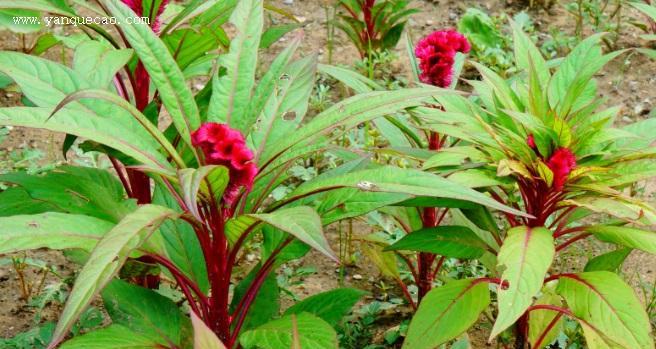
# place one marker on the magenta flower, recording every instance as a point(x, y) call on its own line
point(225, 146)
point(436, 53)
point(561, 163)
point(137, 7)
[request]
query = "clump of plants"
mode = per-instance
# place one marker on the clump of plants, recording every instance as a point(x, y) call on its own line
point(373, 26)
point(182, 204)
point(547, 140)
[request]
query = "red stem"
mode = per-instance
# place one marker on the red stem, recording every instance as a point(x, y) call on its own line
point(407, 294)
point(571, 241)
point(244, 305)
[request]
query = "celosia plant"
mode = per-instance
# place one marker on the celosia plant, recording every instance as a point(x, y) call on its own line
point(209, 178)
point(558, 158)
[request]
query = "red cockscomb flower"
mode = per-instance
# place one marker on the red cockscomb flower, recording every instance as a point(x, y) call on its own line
point(561, 163)
point(137, 7)
point(225, 146)
point(436, 54)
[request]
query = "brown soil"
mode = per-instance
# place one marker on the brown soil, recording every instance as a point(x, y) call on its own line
point(628, 82)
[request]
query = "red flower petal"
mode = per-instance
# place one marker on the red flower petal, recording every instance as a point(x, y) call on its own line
point(436, 53)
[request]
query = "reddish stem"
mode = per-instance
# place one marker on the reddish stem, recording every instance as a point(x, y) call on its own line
point(407, 294)
point(244, 305)
point(571, 241)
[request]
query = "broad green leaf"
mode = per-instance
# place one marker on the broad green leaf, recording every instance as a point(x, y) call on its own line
point(310, 332)
point(101, 130)
point(524, 258)
point(611, 261)
point(204, 338)
point(396, 180)
point(164, 72)
point(146, 312)
point(331, 306)
point(180, 241)
point(54, 7)
point(8, 21)
point(446, 312)
point(350, 78)
point(268, 83)
point(232, 91)
point(625, 236)
point(113, 336)
point(98, 63)
point(105, 261)
point(17, 201)
point(287, 105)
point(303, 223)
point(274, 33)
point(266, 304)
point(77, 190)
point(192, 9)
point(527, 56)
point(210, 181)
point(351, 112)
point(384, 261)
point(605, 301)
point(646, 8)
point(544, 325)
point(449, 241)
point(51, 230)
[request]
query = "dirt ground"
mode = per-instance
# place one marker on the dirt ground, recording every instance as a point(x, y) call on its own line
point(627, 82)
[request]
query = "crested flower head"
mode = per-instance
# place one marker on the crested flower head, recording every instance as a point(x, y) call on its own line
point(436, 53)
point(561, 163)
point(138, 8)
point(225, 146)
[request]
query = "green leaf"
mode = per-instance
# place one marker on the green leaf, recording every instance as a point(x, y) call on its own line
point(164, 72)
point(384, 261)
point(98, 63)
point(605, 301)
point(446, 312)
point(303, 223)
point(544, 325)
point(350, 78)
point(527, 56)
point(269, 82)
point(7, 21)
point(146, 312)
point(350, 113)
point(202, 180)
point(331, 306)
point(204, 338)
point(180, 241)
point(113, 336)
point(287, 106)
point(525, 257)
point(57, 231)
point(625, 236)
point(54, 7)
point(79, 190)
point(274, 33)
point(396, 180)
point(309, 330)
point(232, 91)
point(611, 261)
point(449, 241)
point(102, 130)
point(266, 304)
point(106, 260)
